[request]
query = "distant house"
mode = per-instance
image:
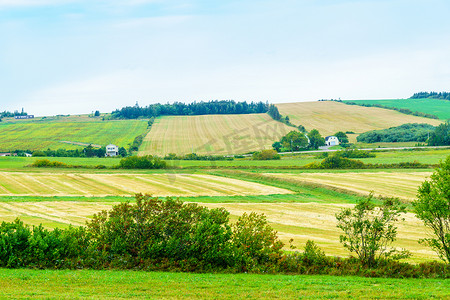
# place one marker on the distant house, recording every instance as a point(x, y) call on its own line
point(331, 141)
point(24, 117)
point(112, 150)
point(8, 154)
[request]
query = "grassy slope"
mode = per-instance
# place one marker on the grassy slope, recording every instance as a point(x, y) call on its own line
point(330, 117)
point(212, 134)
point(48, 284)
point(40, 134)
point(437, 107)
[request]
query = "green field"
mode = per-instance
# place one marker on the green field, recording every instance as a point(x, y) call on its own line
point(82, 284)
point(212, 134)
point(437, 107)
point(67, 133)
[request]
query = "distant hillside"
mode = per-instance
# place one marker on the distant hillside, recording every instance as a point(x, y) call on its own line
point(330, 117)
point(438, 107)
point(212, 134)
point(67, 132)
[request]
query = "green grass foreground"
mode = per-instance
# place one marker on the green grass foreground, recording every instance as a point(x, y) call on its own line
point(48, 284)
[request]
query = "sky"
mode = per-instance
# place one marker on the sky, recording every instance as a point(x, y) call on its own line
point(78, 56)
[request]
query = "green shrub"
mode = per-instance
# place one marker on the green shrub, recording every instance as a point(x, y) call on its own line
point(45, 163)
point(266, 155)
point(142, 162)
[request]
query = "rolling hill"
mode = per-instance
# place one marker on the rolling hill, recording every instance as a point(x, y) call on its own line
point(67, 132)
point(437, 107)
point(212, 134)
point(330, 117)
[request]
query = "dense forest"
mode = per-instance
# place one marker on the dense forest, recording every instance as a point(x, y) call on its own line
point(433, 95)
point(194, 108)
point(404, 133)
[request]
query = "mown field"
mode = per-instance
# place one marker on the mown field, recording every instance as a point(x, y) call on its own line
point(67, 133)
point(437, 107)
point(212, 134)
point(123, 184)
point(83, 284)
point(330, 117)
point(403, 185)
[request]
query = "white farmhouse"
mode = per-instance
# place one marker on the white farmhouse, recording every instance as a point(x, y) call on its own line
point(112, 150)
point(331, 141)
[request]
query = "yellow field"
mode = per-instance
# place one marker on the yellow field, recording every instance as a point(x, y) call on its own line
point(300, 221)
point(391, 184)
point(330, 117)
point(212, 134)
point(83, 184)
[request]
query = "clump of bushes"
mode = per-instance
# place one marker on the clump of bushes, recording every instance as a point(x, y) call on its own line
point(45, 163)
point(405, 133)
point(266, 155)
point(142, 162)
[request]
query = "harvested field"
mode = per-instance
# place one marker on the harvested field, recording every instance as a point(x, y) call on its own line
point(330, 117)
point(212, 134)
point(389, 184)
point(317, 222)
point(300, 221)
point(82, 184)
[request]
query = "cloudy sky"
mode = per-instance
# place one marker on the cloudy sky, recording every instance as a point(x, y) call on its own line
point(76, 56)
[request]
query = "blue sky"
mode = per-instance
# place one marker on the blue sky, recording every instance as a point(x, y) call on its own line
point(76, 56)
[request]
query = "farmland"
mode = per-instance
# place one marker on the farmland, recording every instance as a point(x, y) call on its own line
point(84, 184)
point(67, 133)
point(330, 117)
point(212, 134)
point(387, 184)
point(437, 107)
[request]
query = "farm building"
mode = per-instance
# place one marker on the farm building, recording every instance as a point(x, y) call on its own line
point(331, 141)
point(112, 150)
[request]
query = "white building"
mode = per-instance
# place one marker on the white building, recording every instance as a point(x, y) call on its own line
point(331, 141)
point(112, 150)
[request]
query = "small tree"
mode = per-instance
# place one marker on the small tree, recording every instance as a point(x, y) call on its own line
point(369, 230)
point(433, 208)
point(294, 140)
point(315, 139)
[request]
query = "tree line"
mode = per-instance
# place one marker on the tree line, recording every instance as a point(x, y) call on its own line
point(195, 108)
point(432, 95)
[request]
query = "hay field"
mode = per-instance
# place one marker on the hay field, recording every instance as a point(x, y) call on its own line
point(390, 184)
point(300, 221)
point(122, 184)
point(68, 133)
point(330, 117)
point(212, 134)
point(317, 222)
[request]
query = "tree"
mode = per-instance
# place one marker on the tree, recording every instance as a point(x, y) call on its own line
point(343, 138)
point(294, 140)
point(97, 113)
point(369, 230)
point(440, 136)
point(123, 152)
point(433, 208)
point(277, 146)
point(315, 139)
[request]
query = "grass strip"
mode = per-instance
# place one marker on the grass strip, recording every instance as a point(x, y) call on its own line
point(50, 284)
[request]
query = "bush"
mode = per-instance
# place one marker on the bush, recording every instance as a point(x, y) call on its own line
point(369, 230)
point(338, 162)
point(45, 163)
point(266, 155)
point(142, 162)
